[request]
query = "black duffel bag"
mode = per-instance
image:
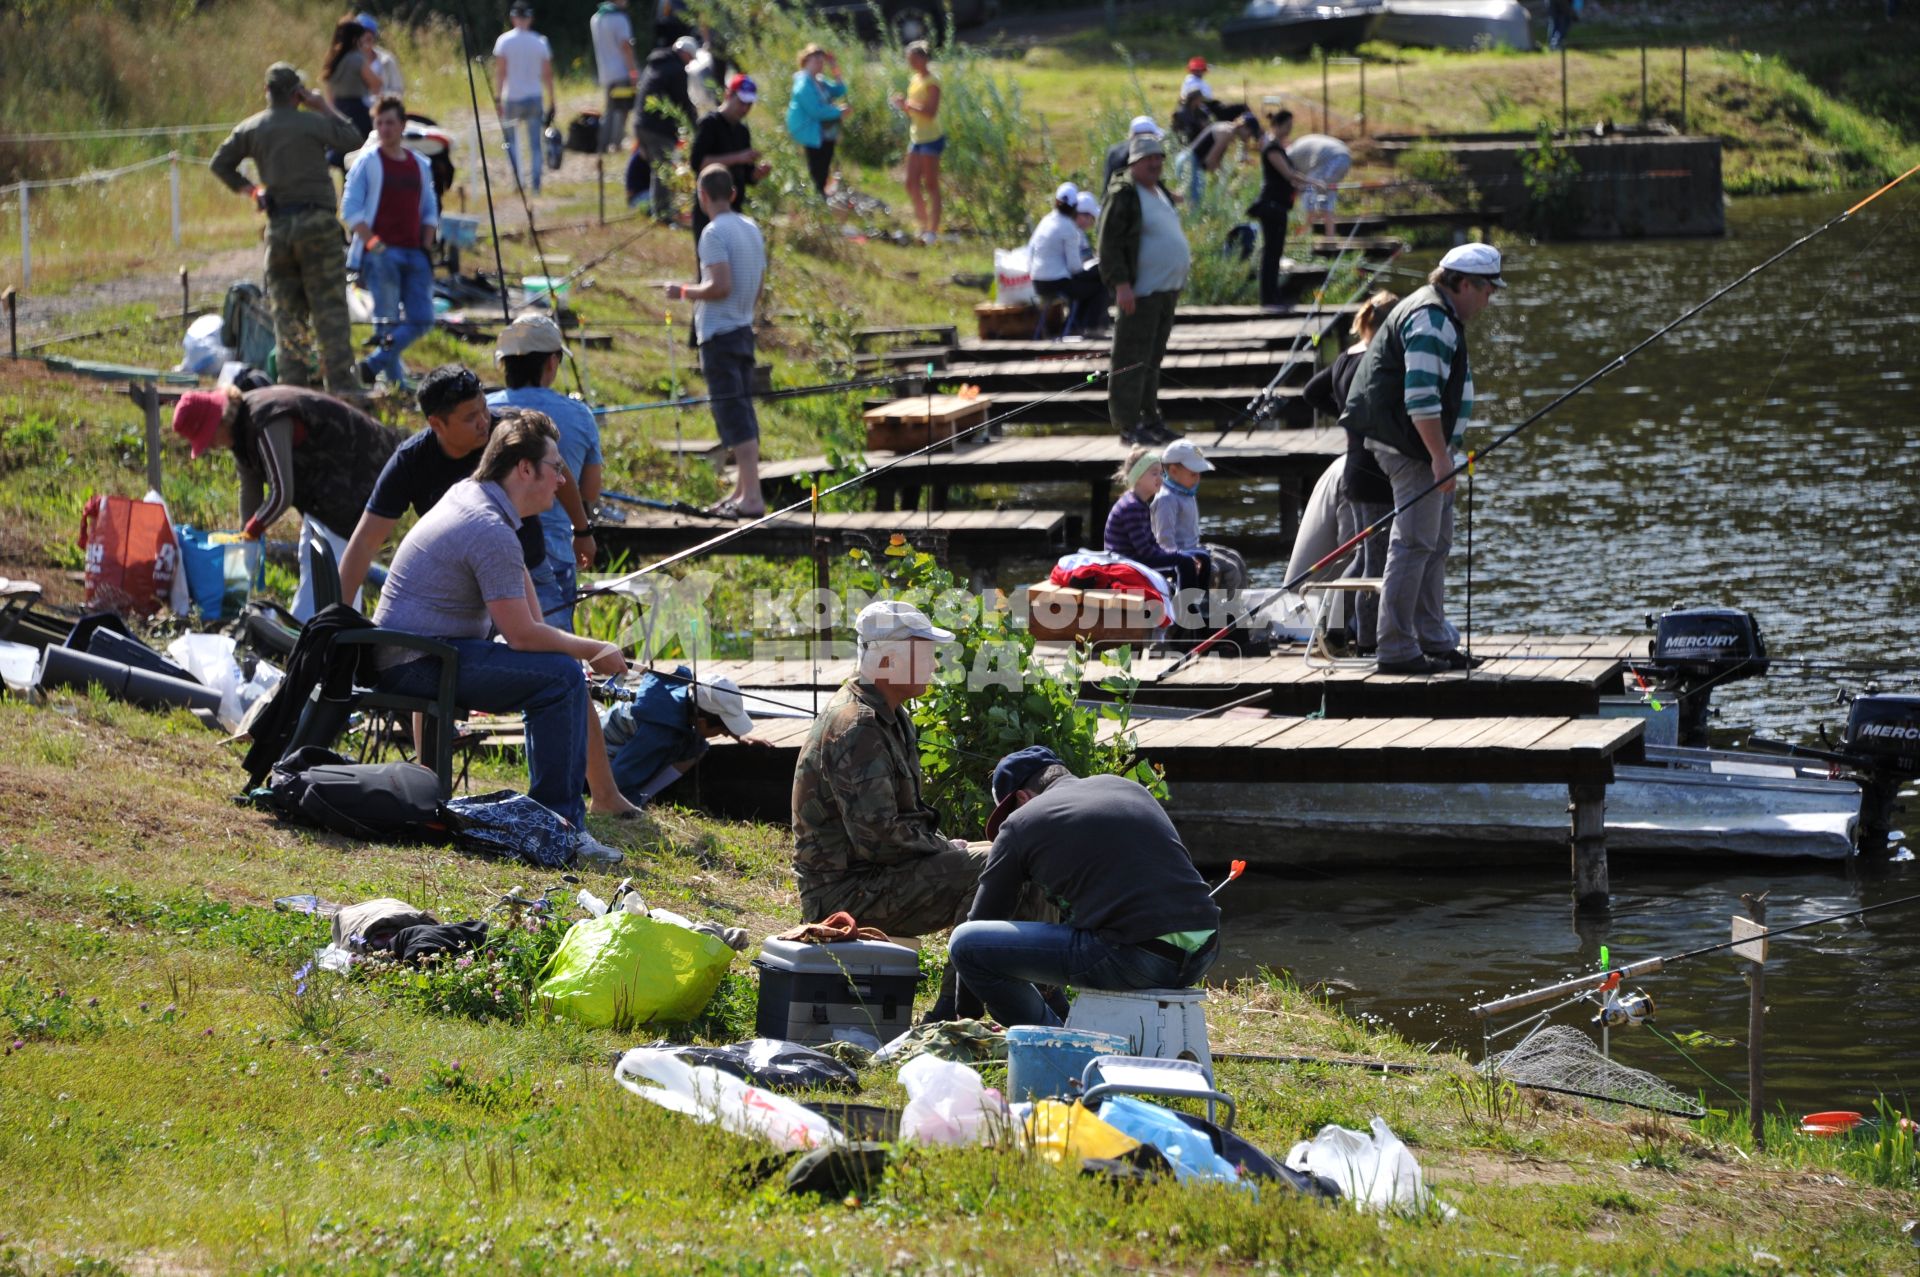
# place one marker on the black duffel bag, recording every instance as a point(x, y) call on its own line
point(381, 802)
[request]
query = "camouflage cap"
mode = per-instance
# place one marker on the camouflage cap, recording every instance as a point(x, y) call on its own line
point(283, 78)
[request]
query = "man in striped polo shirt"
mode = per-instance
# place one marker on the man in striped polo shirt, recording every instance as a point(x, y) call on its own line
point(1412, 396)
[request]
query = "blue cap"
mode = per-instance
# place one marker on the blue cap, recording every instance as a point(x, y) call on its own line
point(1014, 773)
point(366, 20)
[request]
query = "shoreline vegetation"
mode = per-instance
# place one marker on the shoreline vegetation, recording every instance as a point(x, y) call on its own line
point(171, 1102)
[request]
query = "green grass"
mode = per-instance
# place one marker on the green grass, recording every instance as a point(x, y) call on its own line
point(172, 1103)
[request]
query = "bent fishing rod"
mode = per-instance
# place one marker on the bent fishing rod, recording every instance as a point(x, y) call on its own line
point(616, 585)
point(1444, 483)
point(486, 178)
point(1596, 981)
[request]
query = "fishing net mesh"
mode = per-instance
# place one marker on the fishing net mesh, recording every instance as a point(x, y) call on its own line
point(1563, 1059)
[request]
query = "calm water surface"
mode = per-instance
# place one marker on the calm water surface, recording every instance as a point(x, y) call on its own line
point(1760, 457)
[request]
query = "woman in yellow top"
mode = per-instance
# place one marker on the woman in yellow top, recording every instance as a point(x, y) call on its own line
point(926, 139)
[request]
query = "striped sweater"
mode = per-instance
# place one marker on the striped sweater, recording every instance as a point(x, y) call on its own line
point(1130, 533)
point(1431, 339)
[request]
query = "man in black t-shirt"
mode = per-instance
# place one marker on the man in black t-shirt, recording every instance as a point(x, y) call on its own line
point(664, 104)
point(722, 137)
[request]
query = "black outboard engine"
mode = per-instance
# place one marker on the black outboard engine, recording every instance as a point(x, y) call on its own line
point(1695, 649)
point(1883, 742)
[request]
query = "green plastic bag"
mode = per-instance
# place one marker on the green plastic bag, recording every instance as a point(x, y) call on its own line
point(624, 969)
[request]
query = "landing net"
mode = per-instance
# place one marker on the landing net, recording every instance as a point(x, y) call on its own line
point(1564, 1060)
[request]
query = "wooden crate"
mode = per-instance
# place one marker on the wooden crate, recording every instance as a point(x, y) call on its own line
point(906, 425)
point(1058, 613)
point(1015, 323)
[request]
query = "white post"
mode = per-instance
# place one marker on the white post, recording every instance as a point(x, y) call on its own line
point(173, 190)
point(26, 237)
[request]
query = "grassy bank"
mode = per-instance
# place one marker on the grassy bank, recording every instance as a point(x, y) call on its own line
point(173, 1105)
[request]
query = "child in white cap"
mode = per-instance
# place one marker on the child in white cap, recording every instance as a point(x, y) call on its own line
point(1176, 509)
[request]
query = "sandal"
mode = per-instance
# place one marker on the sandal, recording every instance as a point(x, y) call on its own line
point(724, 509)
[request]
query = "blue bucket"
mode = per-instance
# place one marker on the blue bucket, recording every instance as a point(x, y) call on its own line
point(1042, 1061)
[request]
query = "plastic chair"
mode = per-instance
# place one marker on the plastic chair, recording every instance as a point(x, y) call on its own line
point(323, 573)
point(1318, 654)
point(322, 721)
point(1141, 1075)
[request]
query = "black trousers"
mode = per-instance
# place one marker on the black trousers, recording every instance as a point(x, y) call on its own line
point(1082, 288)
point(1273, 242)
point(820, 164)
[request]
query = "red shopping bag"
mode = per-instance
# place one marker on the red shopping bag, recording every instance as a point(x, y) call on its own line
point(131, 554)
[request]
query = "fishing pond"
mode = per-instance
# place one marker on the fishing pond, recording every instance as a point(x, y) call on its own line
point(1759, 457)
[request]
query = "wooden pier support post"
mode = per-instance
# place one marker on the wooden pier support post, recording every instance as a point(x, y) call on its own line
point(147, 395)
point(1587, 807)
point(13, 323)
point(1757, 1027)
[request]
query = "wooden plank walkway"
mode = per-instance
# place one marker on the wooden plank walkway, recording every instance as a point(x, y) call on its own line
point(1250, 369)
point(1202, 406)
point(1243, 314)
point(1513, 682)
point(1295, 457)
point(973, 535)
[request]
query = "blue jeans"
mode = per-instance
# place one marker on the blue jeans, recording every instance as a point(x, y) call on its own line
point(547, 688)
point(531, 116)
point(1003, 961)
point(554, 586)
point(401, 280)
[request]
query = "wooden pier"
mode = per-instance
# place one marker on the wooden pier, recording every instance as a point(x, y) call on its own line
point(1072, 365)
point(1523, 677)
point(1295, 457)
point(973, 535)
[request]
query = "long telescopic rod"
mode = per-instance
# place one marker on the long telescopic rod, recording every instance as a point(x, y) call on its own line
point(486, 179)
point(1647, 966)
point(1466, 467)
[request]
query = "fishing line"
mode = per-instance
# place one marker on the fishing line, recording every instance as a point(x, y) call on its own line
point(788, 392)
point(1618, 362)
point(1704, 1071)
point(713, 543)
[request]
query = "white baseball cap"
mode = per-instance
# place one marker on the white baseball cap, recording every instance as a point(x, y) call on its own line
point(886, 619)
point(1087, 204)
point(530, 334)
point(1183, 452)
point(1066, 193)
point(1144, 124)
point(1475, 259)
point(721, 698)
point(686, 44)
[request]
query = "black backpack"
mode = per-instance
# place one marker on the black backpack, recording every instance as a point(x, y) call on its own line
point(382, 802)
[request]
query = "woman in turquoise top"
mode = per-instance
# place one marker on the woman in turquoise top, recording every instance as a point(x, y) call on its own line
point(814, 111)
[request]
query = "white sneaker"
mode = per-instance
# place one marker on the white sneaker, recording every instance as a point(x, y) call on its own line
point(591, 851)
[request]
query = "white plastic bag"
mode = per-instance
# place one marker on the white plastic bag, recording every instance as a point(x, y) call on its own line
point(708, 1095)
point(1013, 277)
point(1376, 1170)
point(209, 658)
point(948, 1104)
point(203, 350)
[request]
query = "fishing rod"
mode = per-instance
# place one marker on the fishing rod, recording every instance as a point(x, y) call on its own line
point(1262, 404)
point(535, 159)
point(1596, 981)
point(486, 178)
point(713, 543)
point(1445, 482)
point(788, 392)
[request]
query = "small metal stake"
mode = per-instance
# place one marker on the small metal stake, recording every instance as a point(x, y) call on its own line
point(185, 305)
point(13, 327)
point(1757, 1029)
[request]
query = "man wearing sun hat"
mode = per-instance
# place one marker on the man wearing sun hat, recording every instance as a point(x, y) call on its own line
point(1412, 397)
point(1141, 126)
point(1136, 914)
point(722, 137)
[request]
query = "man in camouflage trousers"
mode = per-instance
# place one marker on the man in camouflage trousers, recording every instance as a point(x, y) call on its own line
point(306, 253)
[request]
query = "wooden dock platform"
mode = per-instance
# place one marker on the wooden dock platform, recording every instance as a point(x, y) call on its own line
point(1295, 457)
point(1200, 406)
point(973, 535)
point(1071, 365)
point(1523, 677)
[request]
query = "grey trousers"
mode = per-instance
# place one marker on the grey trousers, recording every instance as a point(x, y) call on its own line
point(1413, 589)
point(1133, 398)
point(1369, 560)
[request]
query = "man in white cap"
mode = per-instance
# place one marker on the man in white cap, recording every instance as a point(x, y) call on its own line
point(1142, 125)
point(529, 355)
point(1057, 254)
point(662, 733)
point(865, 839)
point(1412, 397)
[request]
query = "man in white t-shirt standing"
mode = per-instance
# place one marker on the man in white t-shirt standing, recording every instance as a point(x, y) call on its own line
point(523, 86)
point(733, 264)
point(619, 73)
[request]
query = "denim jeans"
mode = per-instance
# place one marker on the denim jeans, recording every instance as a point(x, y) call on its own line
point(547, 688)
point(530, 116)
point(401, 280)
point(1003, 961)
point(554, 586)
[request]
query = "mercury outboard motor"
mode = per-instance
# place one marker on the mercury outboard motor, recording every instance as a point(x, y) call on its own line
point(1697, 648)
point(1883, 739)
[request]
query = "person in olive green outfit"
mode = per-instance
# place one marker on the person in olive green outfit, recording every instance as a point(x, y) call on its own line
point(306, 253)
point(1143, 262)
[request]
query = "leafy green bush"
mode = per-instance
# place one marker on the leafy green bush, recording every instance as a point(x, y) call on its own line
point(1550, 176)
point(990, 698)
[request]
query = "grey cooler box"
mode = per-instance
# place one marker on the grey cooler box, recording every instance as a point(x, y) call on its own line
point(809, 990)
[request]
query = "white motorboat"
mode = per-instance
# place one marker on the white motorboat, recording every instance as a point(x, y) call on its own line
point(1456, 24)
